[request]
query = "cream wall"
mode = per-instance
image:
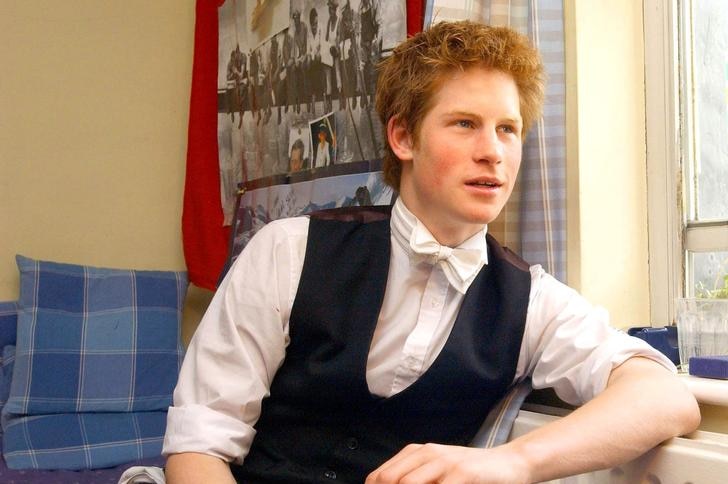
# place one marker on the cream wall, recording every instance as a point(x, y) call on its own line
point(94, 100)
point(607, 194)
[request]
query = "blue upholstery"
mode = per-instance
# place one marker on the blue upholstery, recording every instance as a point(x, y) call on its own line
point(8, 331)
point(8, 322)
point(6, 373)
point(91, 342)
point(83, 440)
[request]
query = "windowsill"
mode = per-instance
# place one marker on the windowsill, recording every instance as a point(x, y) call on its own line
point(707, 390)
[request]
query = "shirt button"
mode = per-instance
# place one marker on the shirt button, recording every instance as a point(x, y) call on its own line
point(352, 443)
point(330, 475)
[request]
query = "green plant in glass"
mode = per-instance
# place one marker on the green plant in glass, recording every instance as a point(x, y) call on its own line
point(716, 293)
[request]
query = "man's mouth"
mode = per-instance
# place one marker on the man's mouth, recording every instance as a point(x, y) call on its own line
point(485, 183)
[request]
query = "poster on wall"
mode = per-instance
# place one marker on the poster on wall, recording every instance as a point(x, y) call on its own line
point(296, 81)
point(257, 207)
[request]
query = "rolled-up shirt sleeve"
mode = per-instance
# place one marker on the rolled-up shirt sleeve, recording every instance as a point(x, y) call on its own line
point(238, 347)
point(569, 344)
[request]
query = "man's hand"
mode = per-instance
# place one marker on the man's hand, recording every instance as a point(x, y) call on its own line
point(449, 464)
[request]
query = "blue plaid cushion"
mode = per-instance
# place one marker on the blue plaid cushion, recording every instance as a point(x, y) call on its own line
point(83, 441)
point(95, 340)
point(8, 322)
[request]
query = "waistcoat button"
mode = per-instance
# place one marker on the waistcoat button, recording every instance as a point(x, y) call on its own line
point(352, 443)
point(330, 475)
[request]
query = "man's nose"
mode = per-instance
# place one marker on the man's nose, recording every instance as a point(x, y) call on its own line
point(489, 147)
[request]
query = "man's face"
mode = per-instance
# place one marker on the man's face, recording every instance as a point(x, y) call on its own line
point(321, 136)
point(460, 170)
point(296, 159)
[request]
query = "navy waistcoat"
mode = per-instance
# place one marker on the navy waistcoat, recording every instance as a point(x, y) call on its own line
point(321, 424)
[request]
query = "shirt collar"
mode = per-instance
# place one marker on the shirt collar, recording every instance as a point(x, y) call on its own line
point(404, 222)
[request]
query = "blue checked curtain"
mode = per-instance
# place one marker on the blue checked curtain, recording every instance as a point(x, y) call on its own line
point(533, 222)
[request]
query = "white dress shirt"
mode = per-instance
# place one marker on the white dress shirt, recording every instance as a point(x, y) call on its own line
point(241, 341)
point(322, 155)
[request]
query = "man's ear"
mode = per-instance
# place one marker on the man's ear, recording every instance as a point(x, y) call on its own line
point(400, 139)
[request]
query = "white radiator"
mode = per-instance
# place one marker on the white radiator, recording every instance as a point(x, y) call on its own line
point(701, 458)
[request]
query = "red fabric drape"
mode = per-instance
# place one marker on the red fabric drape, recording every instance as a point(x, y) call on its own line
point(205, 240)
point(415, 16)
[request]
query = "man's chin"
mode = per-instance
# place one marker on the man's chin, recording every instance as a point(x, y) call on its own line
point(485, 217)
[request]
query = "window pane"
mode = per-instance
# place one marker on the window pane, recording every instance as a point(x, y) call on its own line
point(708, 273)
point(710, 80)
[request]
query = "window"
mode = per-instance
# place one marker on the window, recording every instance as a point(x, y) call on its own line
point(686, 74)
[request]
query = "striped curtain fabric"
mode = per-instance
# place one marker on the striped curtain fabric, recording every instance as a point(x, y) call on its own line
point(533, 223)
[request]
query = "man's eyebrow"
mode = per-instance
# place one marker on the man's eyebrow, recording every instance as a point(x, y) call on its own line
point(457, 112)
point(514, 119)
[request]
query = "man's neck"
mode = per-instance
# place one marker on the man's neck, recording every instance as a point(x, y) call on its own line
point(450, 236)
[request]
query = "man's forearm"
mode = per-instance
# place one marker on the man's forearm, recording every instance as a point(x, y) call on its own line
point(193, 468)
point(642, 406)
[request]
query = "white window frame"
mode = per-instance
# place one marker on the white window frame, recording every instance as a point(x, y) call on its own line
point(670, 235)
point(664, 214)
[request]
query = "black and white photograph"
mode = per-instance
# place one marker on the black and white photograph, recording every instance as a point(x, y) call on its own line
point(296, 65)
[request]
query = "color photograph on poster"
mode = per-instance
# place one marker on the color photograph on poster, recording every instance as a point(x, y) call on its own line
point(305, 71)
point(323, 141)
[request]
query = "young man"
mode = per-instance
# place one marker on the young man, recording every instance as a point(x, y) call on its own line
point(333, 56)
point(314, 68)
point(381, 344)
point(296, 161)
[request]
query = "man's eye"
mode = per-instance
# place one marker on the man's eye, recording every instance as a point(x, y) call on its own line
point(506, 128)
point(464, 123)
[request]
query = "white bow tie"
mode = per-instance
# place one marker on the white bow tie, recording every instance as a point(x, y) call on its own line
point(459, 265)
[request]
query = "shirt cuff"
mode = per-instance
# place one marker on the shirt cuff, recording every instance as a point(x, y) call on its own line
point(197, 428)
point(610, 354)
